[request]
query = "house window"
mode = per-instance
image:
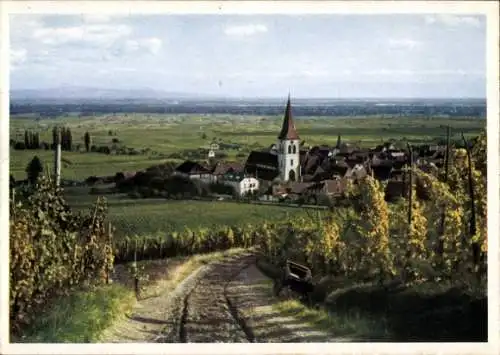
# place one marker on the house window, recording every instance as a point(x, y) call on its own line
point(294, 149)
point(291, 162)
point(289, 149)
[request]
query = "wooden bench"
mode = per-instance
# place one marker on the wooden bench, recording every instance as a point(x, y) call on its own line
point(298, 278)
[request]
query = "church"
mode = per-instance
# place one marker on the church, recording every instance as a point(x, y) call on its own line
point(317, 170)
point(284, 159)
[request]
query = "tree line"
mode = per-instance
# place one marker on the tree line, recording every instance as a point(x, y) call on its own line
point(62, 135)
point(472, 109)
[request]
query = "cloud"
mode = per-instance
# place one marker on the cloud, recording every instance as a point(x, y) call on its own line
point(390, 72)
point(322, 73)
point(403, 43)
point(453, 20)
point(17, 57)
point(23, 26)
point(153, 45)
point(344, 74)
point(149, 45)
point(421, 73)
point(96, 18)
point(303, 74)
point(245, 30)
point(97, 34)
point(89, 39)
point(116, 70)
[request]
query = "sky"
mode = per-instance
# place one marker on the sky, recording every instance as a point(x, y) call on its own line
point(326, 56)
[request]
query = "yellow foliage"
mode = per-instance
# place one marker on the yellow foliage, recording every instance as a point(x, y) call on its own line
point(374, 230)
point(52, 250)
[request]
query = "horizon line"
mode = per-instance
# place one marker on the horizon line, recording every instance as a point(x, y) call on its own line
point(205, 96)
point(210, 97)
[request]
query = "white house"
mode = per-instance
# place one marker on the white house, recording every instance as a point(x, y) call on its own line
point(241, 183)
point(214, 146)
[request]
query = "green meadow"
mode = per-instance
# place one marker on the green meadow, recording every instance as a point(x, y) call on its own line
point(164, 135)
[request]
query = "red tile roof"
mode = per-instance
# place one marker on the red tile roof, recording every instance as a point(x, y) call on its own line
point(226, 167)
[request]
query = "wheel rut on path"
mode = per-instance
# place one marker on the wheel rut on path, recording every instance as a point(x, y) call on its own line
point(234, 309)
point(228, 301)
point(209, 313)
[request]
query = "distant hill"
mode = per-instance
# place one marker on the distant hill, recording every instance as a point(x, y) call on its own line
point(144, 95)
point(92, 93)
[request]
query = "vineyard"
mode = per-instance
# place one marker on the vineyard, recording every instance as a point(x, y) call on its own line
point(151, 218)
point(442, 238)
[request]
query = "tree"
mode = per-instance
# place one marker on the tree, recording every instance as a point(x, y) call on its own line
point(56, 137)
point(37, 140)
point(375, 258)
point(34, 169)
point(477, 240)
point(12, 182)
point(447, 239)
point(415, 241)
point(479, 153)
point(87, 140)
point(63, 138)
point(30, 140)
point(26, 140)
point(445, 180)
point(324, 245)
point(69, 140)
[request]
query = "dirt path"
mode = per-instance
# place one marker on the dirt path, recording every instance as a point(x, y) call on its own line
point(227, 301)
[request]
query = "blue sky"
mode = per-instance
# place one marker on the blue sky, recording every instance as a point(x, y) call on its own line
point(334, 56)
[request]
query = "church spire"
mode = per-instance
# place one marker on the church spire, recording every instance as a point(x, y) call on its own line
point(339, 142)
point(288, 130)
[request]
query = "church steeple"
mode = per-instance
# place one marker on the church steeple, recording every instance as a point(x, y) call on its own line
point(289, 151)
point(288, 130)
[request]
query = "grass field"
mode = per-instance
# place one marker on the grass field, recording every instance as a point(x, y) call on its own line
point(158, 216)
point(84, 315)
point(167, 134)
point(81, 316)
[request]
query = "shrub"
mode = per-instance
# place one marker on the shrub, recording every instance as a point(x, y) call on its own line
point(53, 250)
point(19, 146)
point(34, 169)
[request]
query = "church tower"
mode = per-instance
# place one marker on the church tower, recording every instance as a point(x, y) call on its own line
point(288, 148)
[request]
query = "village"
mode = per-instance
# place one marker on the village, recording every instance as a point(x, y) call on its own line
point(286, 172)
point(289, 171)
